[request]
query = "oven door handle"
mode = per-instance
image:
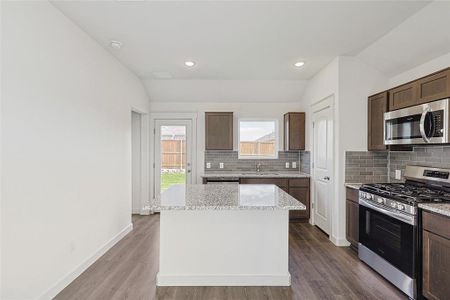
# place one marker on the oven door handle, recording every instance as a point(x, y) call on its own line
point(426, 110)
point(396, 215)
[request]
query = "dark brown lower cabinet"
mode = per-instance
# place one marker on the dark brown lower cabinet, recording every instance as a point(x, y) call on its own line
point(282, 183)
point(436, 256)
point(352, 221)
point(296, 187)
point(299, 189)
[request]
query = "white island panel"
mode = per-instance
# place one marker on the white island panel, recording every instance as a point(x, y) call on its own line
point(224, 235)
point(224, 248)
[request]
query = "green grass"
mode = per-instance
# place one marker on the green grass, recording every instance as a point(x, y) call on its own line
point(168, 179)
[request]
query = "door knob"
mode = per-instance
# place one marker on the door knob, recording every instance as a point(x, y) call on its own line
point(326, 178)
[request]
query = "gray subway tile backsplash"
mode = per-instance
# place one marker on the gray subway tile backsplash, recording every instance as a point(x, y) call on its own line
point(232, 163)
point(305, 162)
point(431, 156)
point(366, 166)
point(380, 166)
point(360, 166)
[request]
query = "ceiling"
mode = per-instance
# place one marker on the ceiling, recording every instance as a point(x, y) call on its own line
point(255, 40)
point(419, 39)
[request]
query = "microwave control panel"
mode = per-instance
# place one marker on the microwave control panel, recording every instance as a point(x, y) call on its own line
point(438, 118)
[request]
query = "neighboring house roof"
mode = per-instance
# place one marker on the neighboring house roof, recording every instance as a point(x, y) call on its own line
point(267, 138)
point(171, 137)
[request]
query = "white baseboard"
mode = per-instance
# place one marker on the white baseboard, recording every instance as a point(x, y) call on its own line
point(224, 280)
point(339, 242)
point(145, 211)
point(67, 279)
point(141, 211)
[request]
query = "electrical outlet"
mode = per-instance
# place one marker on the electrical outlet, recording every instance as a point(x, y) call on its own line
point(294, 165)
point(398, 174)
point(208, 165)
point(221, 165)
point(287, 165)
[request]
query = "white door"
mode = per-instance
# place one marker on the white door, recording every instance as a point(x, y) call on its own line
point(323, 163)
point(173, 153)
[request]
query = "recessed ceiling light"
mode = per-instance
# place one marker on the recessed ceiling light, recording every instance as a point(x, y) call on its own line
point(299, 64)
point(116, 45)
point(189, 63)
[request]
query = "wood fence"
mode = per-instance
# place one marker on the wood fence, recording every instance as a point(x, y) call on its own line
point(257, 148)
point(173, 154)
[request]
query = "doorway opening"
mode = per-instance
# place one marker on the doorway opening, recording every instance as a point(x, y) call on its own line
point(139, 163)
point(136, 162)
point(173, 165)
point(173, 152)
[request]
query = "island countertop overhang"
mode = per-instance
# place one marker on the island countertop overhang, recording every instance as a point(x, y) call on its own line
point(226, 197)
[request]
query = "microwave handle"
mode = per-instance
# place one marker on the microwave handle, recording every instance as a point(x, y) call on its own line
point(422, 124)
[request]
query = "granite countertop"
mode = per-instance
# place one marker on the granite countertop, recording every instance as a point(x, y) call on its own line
point(439, 208)
point(256, 175)
point(355, 186)
point(226, 197)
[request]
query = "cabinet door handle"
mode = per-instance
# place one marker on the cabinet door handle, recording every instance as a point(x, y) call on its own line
point(326, 178)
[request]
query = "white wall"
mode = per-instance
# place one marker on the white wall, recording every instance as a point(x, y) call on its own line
point(357, 81)
point(66, 149)
point(242, 91)
point(350, 81)
point(436, 64)
point(1, 143)
point(322, 85)
point(418, 39)
point(241, 110)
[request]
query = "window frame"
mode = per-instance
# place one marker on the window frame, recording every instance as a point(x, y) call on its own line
point(277, 138)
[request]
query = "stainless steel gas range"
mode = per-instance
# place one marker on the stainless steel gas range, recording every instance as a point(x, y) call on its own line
point(388, 217)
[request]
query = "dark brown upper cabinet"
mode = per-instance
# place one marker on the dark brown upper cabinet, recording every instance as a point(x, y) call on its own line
point(219, 131)
point(294, 131)
point(377, 106)
point(403, 96)
point(434, 87)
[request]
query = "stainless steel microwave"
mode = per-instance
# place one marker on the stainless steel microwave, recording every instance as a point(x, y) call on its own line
point(421, 124)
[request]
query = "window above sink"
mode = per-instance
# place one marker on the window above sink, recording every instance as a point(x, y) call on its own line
point(258, 138)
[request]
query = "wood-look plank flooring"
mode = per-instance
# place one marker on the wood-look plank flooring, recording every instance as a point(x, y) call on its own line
point(319, 270)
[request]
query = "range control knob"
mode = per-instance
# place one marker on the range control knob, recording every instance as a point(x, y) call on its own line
point(393, 205)
point(400, 207)
point(380, 200)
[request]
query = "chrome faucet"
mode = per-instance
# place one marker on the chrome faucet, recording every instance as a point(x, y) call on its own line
point(258, 167)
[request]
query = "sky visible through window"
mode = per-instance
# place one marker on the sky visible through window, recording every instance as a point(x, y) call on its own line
point(251, 131)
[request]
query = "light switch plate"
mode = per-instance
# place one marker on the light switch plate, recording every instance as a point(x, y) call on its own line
point(398, 174)
point(221, 165)
point(287, 165)
point(208, 165)
point(294, 164)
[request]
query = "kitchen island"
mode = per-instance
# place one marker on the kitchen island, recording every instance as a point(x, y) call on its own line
point(224, 235)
